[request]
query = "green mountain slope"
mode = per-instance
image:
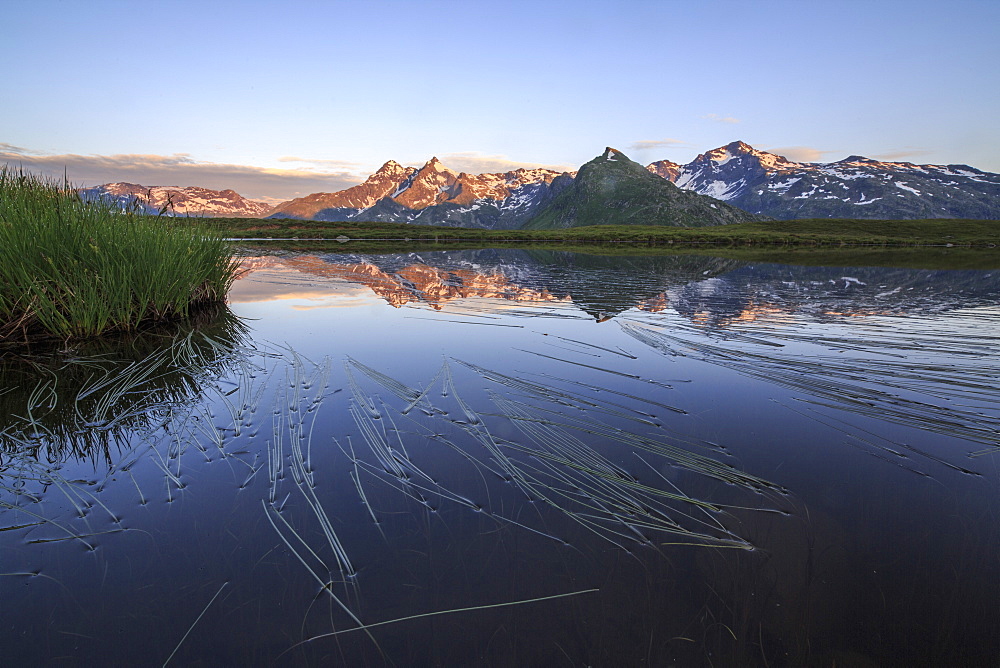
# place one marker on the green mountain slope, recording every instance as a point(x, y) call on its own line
point(613, 190)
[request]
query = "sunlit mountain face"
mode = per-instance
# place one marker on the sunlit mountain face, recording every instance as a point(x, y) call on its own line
point(434, 194)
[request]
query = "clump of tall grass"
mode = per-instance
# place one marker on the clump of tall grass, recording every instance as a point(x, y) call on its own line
point(71, 268)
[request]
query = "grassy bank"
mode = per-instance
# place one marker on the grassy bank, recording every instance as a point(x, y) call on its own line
point(815, 232)
point(70, 268)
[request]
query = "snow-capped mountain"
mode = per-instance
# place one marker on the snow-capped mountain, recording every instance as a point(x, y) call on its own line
point(613, 190)
point(855, 187)
point(434, 195)
point(177, 201)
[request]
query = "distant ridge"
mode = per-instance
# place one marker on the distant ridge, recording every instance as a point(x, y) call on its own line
point(855, 187)
point(179, 201)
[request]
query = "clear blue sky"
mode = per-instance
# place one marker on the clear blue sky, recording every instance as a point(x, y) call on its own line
point(278, 98)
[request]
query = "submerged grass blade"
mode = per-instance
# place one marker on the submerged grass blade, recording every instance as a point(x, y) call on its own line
point(446, 612)
point(195, 623)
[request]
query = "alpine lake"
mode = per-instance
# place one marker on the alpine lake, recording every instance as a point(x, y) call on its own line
point(510, 457)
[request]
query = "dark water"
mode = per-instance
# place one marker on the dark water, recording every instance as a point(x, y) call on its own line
point(513, 458)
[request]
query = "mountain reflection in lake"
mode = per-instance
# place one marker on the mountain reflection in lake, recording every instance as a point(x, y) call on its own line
point(517, 458)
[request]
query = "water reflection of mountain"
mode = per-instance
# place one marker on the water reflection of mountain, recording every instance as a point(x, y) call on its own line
point(710, 291)
point(770, 291)
point(401, 284)
point(599, 285)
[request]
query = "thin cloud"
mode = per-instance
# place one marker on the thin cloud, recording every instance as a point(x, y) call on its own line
point(10, 148)
point(344, 164)
point(905, 153)
point(648, 144)
point(799, 153)
point(721, 119)
point(275, 201)
point(180, 169)
point(473, 162)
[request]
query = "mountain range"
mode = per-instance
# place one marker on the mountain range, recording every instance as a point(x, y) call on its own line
point(434, 195)
point(855, 187)
point(177, 201)
point(732, 183)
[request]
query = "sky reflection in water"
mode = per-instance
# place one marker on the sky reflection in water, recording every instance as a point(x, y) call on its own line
point(688, 459)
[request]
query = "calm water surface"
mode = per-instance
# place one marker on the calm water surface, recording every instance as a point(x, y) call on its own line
point(516, 458)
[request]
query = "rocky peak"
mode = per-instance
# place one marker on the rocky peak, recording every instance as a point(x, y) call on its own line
point(724, 154)
point(851, 159)
point(665, 169)
point(740, 147)
point(430, 185)
point(435, 164)
point(432, 170)
point(392, 168)
point(611, 153)
point(611, 162)
point(737, 155)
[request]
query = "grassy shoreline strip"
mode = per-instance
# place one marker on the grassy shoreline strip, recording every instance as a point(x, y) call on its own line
point(814, 232)
point(71, 268)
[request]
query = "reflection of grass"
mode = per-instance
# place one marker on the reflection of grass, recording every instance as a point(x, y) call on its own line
point(63, 406)
point(112, 393)
point(71, 268)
